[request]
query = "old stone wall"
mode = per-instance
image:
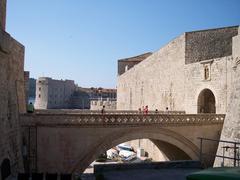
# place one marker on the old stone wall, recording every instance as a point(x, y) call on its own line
point(219, 82)
point(12, 100)
point(51, 93)
point(158, 81)
point(2, 14)
point(175, 75)
point(128, 63)
point(231, 127)
point(209, 44)
point(72, 148)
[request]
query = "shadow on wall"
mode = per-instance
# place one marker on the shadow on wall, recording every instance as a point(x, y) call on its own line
point(5, 169)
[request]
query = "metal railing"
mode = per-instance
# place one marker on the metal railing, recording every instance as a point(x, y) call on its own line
point(232, 149)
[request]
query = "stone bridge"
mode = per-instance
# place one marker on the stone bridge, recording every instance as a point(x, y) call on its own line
point(68, 141)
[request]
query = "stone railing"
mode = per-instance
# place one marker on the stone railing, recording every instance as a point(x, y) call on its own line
point(79, 111)
point(120, 119)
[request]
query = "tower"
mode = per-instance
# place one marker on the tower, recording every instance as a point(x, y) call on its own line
point(3, 14)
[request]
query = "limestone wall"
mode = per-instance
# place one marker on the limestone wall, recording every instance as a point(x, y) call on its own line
point(231, 126)
point(12, 99)
point(2, 14)
point(209, 44)
point(51, 93)
point(219, 82)
point(175, 75)
point(157, 81)
point(130, 62)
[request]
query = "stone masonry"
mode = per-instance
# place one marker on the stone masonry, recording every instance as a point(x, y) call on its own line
point(177, 74)
point(12, 96)
point(231, 126)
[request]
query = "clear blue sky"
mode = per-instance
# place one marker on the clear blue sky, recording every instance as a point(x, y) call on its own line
point(83, 39)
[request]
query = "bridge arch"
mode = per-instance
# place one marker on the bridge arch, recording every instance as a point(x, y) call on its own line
point(206, 102)
point(172, 144)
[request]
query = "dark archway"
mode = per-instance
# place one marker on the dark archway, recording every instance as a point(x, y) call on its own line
point(5, 169)
point(206, 102)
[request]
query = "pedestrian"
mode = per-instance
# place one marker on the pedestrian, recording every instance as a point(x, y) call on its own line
point(103, 109)
point(156, 111)
point(146, 109)
point(139, 110)
point(167, 110)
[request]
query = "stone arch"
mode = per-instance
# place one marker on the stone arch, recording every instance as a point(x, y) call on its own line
point(5, 169)
point(206, 102)
point(165, 137)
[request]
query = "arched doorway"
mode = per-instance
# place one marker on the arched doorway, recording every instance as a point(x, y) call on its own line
point(206, 102)
point(5, 169)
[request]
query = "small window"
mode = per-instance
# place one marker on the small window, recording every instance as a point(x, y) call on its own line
point(39, 95)
point(126, 68)
point(39, 88)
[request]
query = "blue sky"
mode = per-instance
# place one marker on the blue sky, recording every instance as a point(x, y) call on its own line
point(83, 39)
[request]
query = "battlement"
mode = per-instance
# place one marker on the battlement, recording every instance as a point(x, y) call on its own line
point(2, 14)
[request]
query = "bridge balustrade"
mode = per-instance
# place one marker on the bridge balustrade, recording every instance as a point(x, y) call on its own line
point(121, 119)
point(80, 111)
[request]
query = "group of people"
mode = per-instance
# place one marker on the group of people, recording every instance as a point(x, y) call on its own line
point(144, 110)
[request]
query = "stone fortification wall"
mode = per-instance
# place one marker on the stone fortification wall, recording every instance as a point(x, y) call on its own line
point(177, 74)
point(128, 63)
point(231, 127)
point(2, 14)
point(12, 99)
point(51, 93)
point(209, 44)
point(219, 82)
point(158, 81)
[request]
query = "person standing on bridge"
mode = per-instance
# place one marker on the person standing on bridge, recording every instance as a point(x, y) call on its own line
point(146, 109)
point(103, 110)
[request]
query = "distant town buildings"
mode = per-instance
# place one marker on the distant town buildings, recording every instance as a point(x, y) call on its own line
point(103, 97)
point(65, 94)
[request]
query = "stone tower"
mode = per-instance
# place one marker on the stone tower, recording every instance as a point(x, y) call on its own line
point(3, 14)
point(231, 127)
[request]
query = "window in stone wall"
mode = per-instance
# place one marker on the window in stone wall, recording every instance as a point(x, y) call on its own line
point(126, 68)
point(39, 95)
point(206, 71)
point(39, 88)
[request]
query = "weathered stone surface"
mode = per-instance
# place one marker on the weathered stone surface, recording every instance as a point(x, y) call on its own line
point(72, 141)
point(12, 95)
point(128, 63)
point(231, 127)
point(209, 44)
point(2, 14)
point(168, 79)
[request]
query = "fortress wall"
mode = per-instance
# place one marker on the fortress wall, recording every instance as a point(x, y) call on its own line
point(220, 83)
point(157, 81)
point(231, 127)
point(209, 44)
point(2, 14)
point(12, 99)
